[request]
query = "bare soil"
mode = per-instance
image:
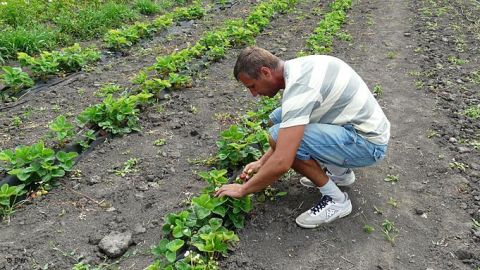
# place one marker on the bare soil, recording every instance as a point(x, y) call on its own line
point(393, 46)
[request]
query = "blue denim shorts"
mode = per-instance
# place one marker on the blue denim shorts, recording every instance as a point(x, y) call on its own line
point(332, 144)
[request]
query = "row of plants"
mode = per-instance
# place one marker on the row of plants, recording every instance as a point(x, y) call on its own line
point(68, 60)
point(204, 228)
point(117, 39)
point(38, 166)
point(74, 58)
point(321, 41)
point(211, 47)
point(197, 237)
point(37, 25)
point(115, 116)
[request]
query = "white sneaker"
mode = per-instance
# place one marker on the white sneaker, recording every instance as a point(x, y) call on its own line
point(347, 179)
point(325, 211)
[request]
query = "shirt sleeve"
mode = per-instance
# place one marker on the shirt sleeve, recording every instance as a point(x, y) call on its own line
point(297, 105)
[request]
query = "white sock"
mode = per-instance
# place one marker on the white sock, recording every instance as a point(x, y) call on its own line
point(335, 170)
point(333, 191)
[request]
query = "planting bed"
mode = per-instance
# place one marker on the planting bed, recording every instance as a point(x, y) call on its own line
point(433, 152)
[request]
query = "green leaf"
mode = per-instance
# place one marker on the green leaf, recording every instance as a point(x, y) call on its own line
point(171, 256)
point(215, 223)
point(220, 210)
point(174, 245)
point(201, 212)
point(58, 173)
point(181, 265)
point(160, 248)
point(177, 232)
point(237, 220)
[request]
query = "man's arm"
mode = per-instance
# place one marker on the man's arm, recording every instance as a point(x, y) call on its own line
point(277, 164)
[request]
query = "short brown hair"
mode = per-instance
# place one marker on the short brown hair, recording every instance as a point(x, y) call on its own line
point(251, 59)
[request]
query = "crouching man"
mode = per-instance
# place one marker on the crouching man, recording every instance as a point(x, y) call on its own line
point(327, 117)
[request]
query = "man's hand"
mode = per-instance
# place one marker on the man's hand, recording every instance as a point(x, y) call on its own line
point(232, 190)
point(250, 170)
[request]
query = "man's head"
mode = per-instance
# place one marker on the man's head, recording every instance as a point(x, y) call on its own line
point(260, 71)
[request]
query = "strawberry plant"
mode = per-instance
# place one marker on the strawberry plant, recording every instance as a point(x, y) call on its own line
point(167, 250)
point(118, 39)
point(116, 116)
point(215, 53)
point(15, 79)
point(238, 147)
point(178, 81)
point(206, 205)
point(214, 239)
point(42, 66)
point(231, 209)
point(155, 85)
point(7, 193)
point(181, 224)
point(163, 22)
point(215, 178)
point(238, 33)
point(62, 130)
point(195, 11)
point(74, 58)
point(88, 137)
point(37, 164)
point(70, 59)
point(109, 88)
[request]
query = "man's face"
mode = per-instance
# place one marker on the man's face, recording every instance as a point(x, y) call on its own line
point(264, 86)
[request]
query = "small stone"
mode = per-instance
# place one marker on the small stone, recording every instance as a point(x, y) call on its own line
point(115, 244)
point(452, 140)
point(210, 94)
point(463, 149)
point(94, 180)
point(138, 229)
point(407, 34)
point(154, 185)
point(175, 154)
point(150, 178)
point(463, 254)
point(419, 211)
point(142, 187)
point(154, 117)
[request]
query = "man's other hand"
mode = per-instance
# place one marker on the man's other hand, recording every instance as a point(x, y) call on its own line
point(231, 190)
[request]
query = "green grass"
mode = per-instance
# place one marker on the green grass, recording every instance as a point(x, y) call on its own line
point(93, 21)
point(36, 25)
point(473, 112)
point(29, 40)
point(146, 7)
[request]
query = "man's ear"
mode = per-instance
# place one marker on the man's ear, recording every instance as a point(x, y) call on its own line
point(267, 72)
